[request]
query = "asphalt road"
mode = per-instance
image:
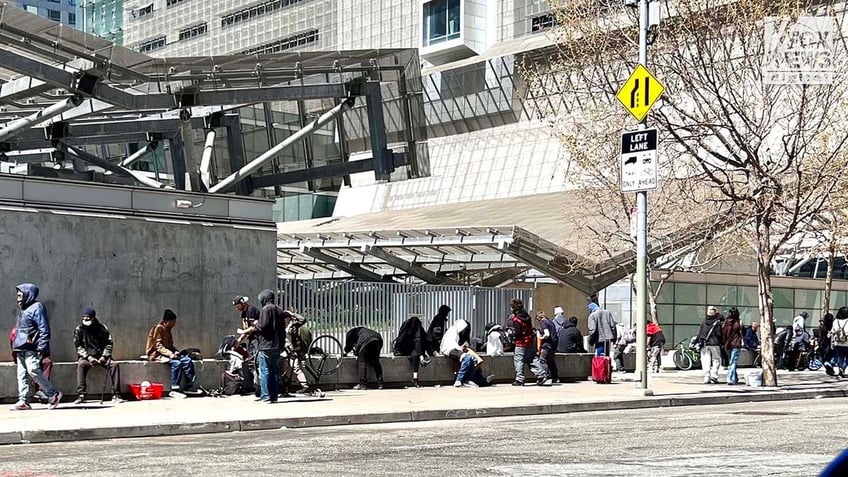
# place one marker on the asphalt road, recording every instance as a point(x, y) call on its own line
point(784, 438)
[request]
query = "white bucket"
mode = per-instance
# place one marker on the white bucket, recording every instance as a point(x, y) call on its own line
point(754, 379)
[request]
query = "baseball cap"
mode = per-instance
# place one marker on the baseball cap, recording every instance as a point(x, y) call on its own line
point(239, 299)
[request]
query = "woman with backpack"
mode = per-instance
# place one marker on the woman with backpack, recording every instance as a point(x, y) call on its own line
point(839, 341)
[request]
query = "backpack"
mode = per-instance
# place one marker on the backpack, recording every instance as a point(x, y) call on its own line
point(560, 336)
point(231, 384)
point(840, 335)
point(227, 344)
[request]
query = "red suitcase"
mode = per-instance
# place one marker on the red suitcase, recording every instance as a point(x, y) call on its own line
point(602, 369)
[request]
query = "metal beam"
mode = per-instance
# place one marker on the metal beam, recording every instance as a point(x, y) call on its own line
point(103, 163)
point(381, 156)
point(498, 279)
point(413, 269)
point(12, 128)
point(303, 175)
point(227, 184)
point(262, 94)
point(18, 144)
point(235, 148)
point(351, 268)
point(206, 159)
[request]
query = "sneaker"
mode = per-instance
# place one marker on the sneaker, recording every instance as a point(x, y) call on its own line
point(490, 378)
point(304, 391)
point(828, 368)
point(380, 384)
point(20, 406)
point(713, 381)
point(116, 398)
point(416, 383)
point(472, 384)
point(706, 380)
point(359, 387)
point(517, 383)
point(176, 395)
point(54, 400)
point(80, 399)
point(547, 382)
point(41, 397)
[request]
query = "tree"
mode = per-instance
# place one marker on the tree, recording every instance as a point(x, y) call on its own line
point(767, 156)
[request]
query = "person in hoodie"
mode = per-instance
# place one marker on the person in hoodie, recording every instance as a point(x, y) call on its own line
point(270, 333)
point(456, 336)
point(46, 369)
point(412, 342)
point(710, 333)
point(161, 349)
point(731, 337)
point(93, 342)
point(525, 350)
point(436, 330)
point(570, 338)
point(31, 345)
point(601, 329)
point(366, 345)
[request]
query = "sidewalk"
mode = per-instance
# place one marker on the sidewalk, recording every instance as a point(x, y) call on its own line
point(206, 415)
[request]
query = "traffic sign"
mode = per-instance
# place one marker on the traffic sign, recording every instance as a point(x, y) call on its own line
point(640, 92)
point(639, 169)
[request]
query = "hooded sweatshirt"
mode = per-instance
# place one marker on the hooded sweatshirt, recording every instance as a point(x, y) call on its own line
point(453, 339)
point(356, 339)
point(271, 324)
point(731, 332)
point(32, 328)
point(437, 327)
point(93, 340)
point(520, 322)
point(711, 338)
point(570, 341)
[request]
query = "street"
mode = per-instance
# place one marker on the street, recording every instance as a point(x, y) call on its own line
point(798, 438)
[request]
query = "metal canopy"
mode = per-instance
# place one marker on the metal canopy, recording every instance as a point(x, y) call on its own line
point(43, 64)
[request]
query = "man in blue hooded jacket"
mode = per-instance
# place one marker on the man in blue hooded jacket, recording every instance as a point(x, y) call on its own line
point(31, 345)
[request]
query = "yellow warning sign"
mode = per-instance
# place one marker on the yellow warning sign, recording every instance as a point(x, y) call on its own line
point(640, 92)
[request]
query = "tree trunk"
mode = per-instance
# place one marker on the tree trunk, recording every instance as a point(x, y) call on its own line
point(652, 298)
point(766, 303)
point(828, 280)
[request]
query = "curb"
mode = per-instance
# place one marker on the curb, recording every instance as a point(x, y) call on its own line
point(66, 435)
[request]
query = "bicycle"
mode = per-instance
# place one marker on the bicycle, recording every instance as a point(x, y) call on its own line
point(685, 357)
point(323, 359)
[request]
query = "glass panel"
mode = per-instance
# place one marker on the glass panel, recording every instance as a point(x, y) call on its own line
point(809, 299)
point(666, 293)
point(688, 314)
point(783, 316)
point(684, 332)
point(783, 297)
point(838, 299)
point(690, 293)
point(441, 21)
point(665, 314)
point(746, 296)
point(722, 296)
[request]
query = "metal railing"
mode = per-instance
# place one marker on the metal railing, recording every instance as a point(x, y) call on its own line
point(333, 307)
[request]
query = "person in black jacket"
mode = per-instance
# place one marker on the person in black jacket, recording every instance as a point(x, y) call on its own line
point(366, 345)
point(270, 333)
point(93, 342)
point(710, 333)
point(412, 342)
point(437, 327)
point(571, 340)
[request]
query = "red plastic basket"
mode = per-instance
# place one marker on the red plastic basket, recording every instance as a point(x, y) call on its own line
point(154, 391)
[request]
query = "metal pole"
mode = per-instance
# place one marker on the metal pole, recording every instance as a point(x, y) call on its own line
point(255, 164)
point(134, 157)
point(18, 125)
point(103, 163)
point(206, 159)
point(642, 237)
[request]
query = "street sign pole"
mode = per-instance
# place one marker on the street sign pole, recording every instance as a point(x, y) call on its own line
point(642, 237)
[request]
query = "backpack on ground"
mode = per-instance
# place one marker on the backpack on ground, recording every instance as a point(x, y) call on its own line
point(231, 384)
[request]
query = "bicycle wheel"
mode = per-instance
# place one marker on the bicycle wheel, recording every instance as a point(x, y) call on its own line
point(325, 355)
point(682, 360)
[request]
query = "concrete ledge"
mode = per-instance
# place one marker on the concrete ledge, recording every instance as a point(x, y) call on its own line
point(397, 372)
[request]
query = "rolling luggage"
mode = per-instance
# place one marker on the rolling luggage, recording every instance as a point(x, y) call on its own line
point(602, 368)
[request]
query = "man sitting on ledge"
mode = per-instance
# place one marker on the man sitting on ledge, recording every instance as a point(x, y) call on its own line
point(160, 349)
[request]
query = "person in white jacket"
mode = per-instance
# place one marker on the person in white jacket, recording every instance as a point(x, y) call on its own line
point(457, 335)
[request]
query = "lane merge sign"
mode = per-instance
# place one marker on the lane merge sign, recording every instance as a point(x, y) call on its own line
point(639, 171)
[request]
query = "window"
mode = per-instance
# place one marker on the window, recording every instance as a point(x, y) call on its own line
point(32, 9)
point(173, 2)
point(294, 41)
point(72, 19)
point(542, 22)
point(441, 21)
point(191, 32)
point(151, 45)
point(239, 16)
point(142, 11)
point(55, 1)
point(54, 15)
point(72, 3)
point(463, 81)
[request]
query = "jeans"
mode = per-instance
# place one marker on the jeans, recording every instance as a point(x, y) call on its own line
point(521, 357)
point(269, 375)
point(732, 377)
point(840, 357)
point(601, 349)
point(370, 355)
point(29, 366)
point(83, 366)
point(179, 367)
point(548, 356)
point(710, 361)
point(655, 358)
point(468, 371)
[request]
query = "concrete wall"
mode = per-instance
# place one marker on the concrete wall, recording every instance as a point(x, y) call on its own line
point(549, 295)
point(131, 270)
